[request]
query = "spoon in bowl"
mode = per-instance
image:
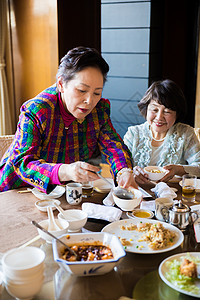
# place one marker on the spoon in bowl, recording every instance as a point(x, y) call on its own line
point(59, 209)
point(52, 223)
point(53, 236)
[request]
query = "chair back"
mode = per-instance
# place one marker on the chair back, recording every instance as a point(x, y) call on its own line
point(197, 131)
point(5, 142)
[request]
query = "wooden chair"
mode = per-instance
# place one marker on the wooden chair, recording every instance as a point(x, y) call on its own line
point(197, 131)
point(5, 142)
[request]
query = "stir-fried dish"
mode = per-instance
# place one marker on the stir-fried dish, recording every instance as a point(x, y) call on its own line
point(155, 234)
point(88, 253)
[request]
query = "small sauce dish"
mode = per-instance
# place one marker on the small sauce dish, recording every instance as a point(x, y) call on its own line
point(140, 214)
point(43, 204)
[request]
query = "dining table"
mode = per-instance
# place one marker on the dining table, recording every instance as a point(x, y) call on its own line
point(135, 277)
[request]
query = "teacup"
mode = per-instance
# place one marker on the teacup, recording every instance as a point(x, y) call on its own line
point(159, 204)
point(74, 193)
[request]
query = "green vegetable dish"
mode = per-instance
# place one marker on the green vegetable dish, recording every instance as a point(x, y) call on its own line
point(183, 273)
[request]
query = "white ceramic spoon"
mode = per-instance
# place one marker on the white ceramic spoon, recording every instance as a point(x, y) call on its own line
point(59, 209)
point(52, 223)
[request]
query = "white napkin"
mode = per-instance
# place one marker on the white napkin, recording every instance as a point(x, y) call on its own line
point(162, 190)
point(102, 212)
point(149, 205)
point(109, 201)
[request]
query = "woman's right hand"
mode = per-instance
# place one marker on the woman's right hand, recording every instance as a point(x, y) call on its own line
point(78, 171)
point(140, 176)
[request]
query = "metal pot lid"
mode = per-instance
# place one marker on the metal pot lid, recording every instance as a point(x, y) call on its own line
point(180, 207)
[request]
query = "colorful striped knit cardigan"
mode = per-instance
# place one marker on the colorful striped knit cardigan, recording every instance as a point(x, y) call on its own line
point(41, 141)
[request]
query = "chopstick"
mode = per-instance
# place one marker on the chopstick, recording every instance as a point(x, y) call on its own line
point(24, 191)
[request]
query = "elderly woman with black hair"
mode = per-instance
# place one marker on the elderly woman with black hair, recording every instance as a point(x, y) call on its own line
point(163, 140)
point(60, 130)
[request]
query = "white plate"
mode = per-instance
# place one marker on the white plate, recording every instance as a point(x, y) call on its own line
point(197, 187)
point(101, 186)
point(56, 193)
point(115, 228)
point(163, 268)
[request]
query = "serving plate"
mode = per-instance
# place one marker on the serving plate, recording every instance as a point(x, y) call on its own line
point(56, 193)
point(197, 186)
point(115, 228)
point(163, 269)
point(101, 186)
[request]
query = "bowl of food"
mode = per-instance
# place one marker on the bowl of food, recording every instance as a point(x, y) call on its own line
point(140, 214)
point(125, 199)
point(155, 173)
point(75, 217)
point(98, 253)
point(63, 224)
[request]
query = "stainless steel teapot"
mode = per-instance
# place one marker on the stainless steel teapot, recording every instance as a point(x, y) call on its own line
point(179, 215)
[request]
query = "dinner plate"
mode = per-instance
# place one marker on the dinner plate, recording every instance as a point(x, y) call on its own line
point(56, 193)
point(163, 269)
point(101, 186)
point(115, 228)
point(197, 187)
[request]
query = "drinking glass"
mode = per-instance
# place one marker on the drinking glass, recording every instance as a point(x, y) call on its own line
point(189, 187)
point(87, 189)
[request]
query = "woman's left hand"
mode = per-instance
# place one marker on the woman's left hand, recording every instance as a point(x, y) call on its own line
point(127, 180)
point(173, 170)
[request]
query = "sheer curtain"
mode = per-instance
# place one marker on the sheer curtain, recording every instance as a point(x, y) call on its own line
point(6, 126)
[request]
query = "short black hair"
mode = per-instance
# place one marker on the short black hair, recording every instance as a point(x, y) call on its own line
point(168, 93)
point(78, 59)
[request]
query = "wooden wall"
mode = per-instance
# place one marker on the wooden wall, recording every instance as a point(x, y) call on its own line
point(34, 34)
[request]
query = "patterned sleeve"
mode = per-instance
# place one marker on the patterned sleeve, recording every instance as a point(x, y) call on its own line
point(111, 145)
point(29, 167)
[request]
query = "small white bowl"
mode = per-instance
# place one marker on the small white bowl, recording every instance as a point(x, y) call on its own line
point(128, 204)
point(76, 218)
point(89, 268)
point(157, 175)
point(25, 290)
point(140, 214)
point(45, 223)
point(43, 204)
point(23, 263)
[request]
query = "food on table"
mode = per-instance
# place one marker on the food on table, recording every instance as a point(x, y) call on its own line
point(175, 274)
point(156, 171)
point(88, 253)
point(188, 268)
point(124, 241)
point(155, 234)
point(141, 214)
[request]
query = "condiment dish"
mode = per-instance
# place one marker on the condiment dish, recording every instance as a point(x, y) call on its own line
point(140, 213)
point(43, 204)
point(155, 173)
